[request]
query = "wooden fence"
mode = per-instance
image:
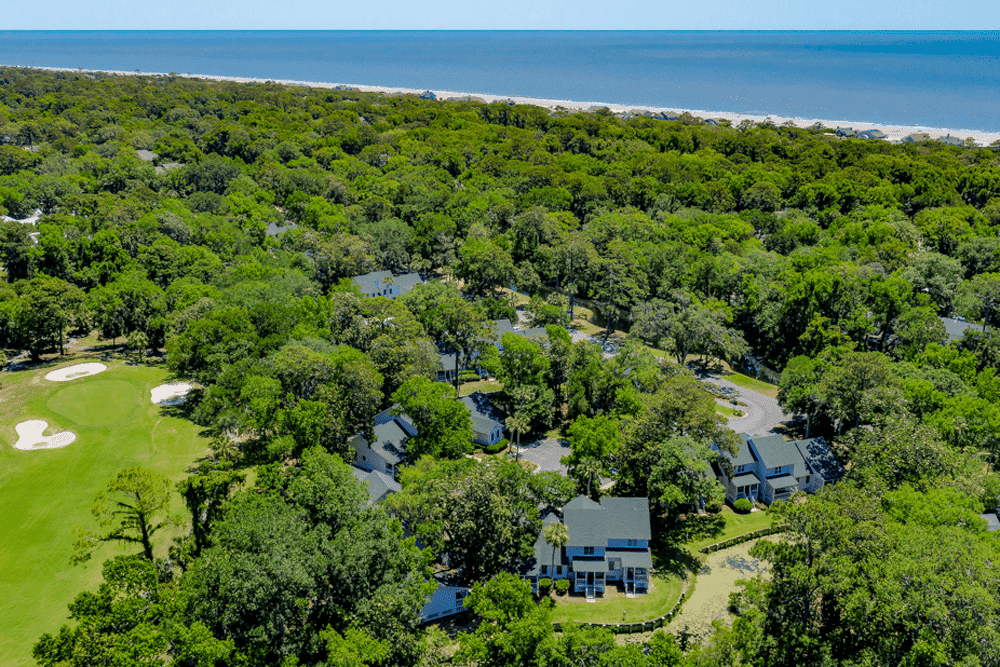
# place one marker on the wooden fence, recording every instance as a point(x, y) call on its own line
point(630, 628)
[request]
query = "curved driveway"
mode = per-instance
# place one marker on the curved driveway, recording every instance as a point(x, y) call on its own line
point(763, 412)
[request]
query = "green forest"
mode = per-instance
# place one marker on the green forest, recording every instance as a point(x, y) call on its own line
point(228, 256)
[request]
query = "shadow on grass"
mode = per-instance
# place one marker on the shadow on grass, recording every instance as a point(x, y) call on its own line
point(673, 558)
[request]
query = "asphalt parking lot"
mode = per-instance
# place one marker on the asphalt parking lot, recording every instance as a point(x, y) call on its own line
point(546, 454)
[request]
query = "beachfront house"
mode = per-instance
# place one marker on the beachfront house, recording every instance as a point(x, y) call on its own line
point(383, 283)
point(845, 131)
point(608, 544)
point(768, 468)
point(871, 134)
point(387, 450)
point(428, 95)
point(916, 137)
point(487, 419)
point(443, 602)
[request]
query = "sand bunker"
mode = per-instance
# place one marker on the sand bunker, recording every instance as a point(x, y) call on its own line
point(74, 372)
point(173, 393)
point(30, 436)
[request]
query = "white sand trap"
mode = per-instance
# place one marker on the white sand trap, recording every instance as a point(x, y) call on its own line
point(173, 393)
point(74, 372)
point(30, 436)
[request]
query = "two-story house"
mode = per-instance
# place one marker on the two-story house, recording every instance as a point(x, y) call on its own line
point(383, 283)
point(387, 450)
point(608, 544)
point(487, 419)
point(768, 468)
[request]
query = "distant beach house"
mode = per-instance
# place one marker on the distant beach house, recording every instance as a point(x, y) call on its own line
point(769, 468)
point(916, 137)
point(608, 543)
point(383, 283)
point(387, 451)
point(487, 419)
point(428, 95)
point(845, 131)
point(951, 141)
point(871, 134)
point(444, 601)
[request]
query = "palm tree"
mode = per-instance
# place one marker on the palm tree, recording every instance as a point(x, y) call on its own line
point(587, 469)
point(556, 534)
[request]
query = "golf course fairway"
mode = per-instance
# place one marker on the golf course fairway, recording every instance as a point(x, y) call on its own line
point(45, 493)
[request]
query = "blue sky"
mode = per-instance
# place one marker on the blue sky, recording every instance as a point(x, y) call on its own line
point(501, 15)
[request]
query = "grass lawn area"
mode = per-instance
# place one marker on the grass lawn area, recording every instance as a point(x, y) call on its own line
point(45, 493)
point(727, 411)
point(663, 593)
point(753, 384)
point(485, 386)
point(736, 524)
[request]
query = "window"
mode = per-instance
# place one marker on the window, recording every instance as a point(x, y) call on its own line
point(558, 570)
point(545, 570)
point(807, 478)
point(633, 543)
point(611, 565)
point(459, 595)
point(588, 551)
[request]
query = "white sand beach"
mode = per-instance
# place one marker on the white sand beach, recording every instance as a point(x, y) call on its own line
point(75, 372)
point(30, 436)
point(894, 133)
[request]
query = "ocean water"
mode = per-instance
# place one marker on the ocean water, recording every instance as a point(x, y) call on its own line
point(936, 79)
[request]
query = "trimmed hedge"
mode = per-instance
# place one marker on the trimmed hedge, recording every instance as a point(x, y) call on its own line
point(740, 539)
point(742, 505)
point(544, 586)
point(497, 448)
point(562, 585)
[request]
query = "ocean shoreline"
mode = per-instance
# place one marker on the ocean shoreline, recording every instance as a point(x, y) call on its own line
point(894, 133)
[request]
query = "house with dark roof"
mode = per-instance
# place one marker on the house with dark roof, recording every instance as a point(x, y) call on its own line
point(500, 327)
point(608, 544)
point(378, 484)
point(487, 419)
point(871, 134)
point(768, 468)
point(845, 131)
point(387, 450)
point(428, 95)
point(915, 137)
point(383, 283)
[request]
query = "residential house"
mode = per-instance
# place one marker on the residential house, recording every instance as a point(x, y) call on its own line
point(444, 601)
point(168, 166)
point(768, 468)
point(146, 156)
point(387, 451)
point(956, 327)
point(487, 419)
point(428, 95)
point(871, 134)
point(500, 327)
point(845, 131)
point(608, 544)
point(951, 141)
point(378, 484)
point(916, 137)
point(275, 230)
point(383, 283)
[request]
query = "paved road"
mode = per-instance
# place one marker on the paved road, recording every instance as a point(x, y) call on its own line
point(546, 453)
point(763, 412)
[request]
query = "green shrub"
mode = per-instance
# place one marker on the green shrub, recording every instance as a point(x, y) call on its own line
point(497, 448)
point(469, 376)
point(562, 585)
point(544, 586)
point(742, 505)
point(713, 507)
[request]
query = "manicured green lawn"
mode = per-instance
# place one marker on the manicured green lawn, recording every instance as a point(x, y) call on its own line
point(666, 589)
point(753, 384)
point(736, 524)
point(727, 411)
point(485, 386)
point(45, 493)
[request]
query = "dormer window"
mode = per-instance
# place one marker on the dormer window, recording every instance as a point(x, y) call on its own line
point(588, 551)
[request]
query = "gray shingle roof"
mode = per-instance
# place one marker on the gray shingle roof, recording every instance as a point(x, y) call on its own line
point(406, 282)
point(956, 328)
point(371, 283)
point(485, 416)
point(146, 156)
point(390, 441)
point(589, 565)
point(613, 519)
point(501, 327)
point(745, 455)
point(274, 230)
point(775, 451)
point(746, 480)
point(821, 460)
point(782, 482)
point(543, 550)
point(992, 522)
point(168, 166)
point(629, 557)
point(378, 484)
